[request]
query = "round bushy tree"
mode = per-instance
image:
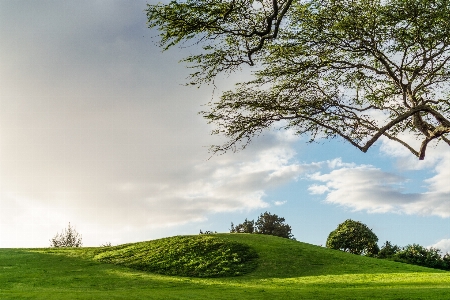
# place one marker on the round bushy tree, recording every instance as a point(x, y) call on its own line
point(354, 237)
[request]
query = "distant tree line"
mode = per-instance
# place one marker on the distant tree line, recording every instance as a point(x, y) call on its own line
point(417, 255)
point(356, 238)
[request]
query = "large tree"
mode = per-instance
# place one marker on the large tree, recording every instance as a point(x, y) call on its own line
point(359, 69)
point(354, 237)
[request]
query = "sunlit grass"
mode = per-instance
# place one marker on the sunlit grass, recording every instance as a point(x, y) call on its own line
point(286, 270)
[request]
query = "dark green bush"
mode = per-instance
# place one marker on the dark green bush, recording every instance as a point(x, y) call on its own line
point(418, 255)
point(388, 250)
point(446, 260)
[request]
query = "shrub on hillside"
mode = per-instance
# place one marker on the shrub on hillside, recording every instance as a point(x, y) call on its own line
point(207, 232)
point(267, 223)
point(271, 224)
point(426, 257)
point(446, 260)
point(67, 238)
point(246, 227)
point(354, 237)
point(388, 250)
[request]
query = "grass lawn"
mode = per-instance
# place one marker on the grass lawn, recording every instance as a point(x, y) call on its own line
point(286, 270)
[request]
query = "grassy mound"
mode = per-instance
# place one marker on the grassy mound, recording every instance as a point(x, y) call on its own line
point(256, 256)
point(193, 256)
point(286, 269)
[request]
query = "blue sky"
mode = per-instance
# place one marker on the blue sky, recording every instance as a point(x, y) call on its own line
point(97, 129)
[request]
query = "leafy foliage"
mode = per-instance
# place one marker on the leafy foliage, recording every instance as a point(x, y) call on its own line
point(354, 237)
point(193, 256)
point(421, 256)
point(246, 227)
point(359, 70)
point(416, 255)
point(267, 223)
point(68, 238)
point(271, 224)
point(388, 250)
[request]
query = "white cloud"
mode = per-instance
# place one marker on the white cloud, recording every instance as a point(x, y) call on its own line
point(337, 162)
point(361, 188)
point(443, 245)
point(279, 203)
point(318, 189)
point(366, 188)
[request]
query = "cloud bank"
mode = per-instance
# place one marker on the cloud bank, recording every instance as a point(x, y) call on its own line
point(367, 188)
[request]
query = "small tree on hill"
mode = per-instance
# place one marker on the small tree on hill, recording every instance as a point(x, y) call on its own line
point(266, 224)
point(272, 225)
point(246, 227)
point(388, 250)
point(354, 237)
point(68, 238)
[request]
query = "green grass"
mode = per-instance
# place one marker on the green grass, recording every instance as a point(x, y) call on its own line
point(191, 256)
point(286, 270)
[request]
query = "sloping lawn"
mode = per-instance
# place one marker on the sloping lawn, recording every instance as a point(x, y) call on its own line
point(285, 270)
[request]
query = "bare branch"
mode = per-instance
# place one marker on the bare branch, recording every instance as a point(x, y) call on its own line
point(402, 143)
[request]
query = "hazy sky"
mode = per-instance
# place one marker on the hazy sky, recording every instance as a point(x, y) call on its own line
point(97, 129)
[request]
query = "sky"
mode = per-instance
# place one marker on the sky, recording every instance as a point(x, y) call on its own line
point(98, 129)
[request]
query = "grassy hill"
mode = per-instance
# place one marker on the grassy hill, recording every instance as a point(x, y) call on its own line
point(285, 269)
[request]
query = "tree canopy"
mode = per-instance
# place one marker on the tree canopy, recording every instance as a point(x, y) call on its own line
point(246, 227)
point(354, 237)
point(272, 224)
point(267, 223)
point(359, 70)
